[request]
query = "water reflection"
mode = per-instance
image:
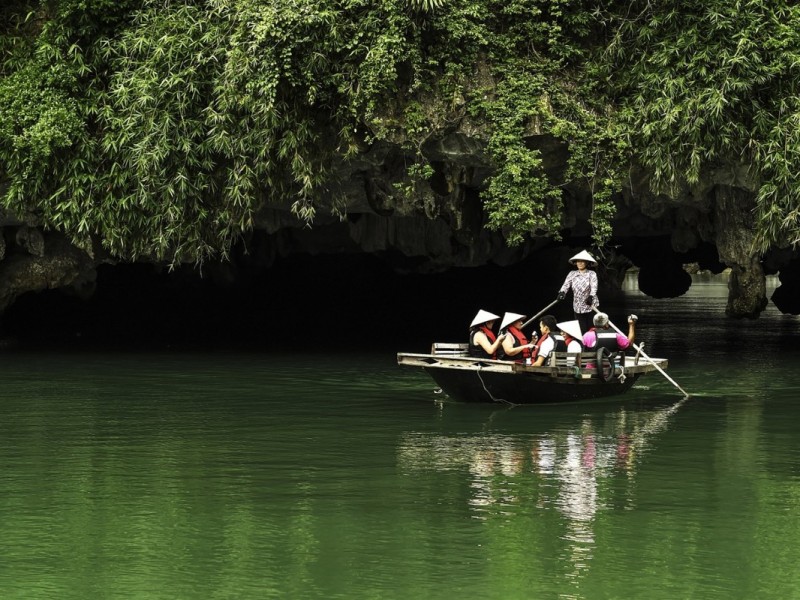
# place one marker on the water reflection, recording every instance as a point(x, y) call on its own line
point(573, 470)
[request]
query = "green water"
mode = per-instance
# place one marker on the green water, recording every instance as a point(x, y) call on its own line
point(319, 476)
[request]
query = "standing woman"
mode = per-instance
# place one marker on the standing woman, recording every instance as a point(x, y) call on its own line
point(583, 283)
point(482, 341)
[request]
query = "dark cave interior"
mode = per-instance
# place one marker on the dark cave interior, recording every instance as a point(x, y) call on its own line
point(302, 302)
point(310, 303)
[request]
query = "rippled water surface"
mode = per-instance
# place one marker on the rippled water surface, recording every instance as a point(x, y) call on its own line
point(259, 476)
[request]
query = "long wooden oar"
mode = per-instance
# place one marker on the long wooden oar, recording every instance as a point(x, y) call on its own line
point(639, 349)
point(539, 314)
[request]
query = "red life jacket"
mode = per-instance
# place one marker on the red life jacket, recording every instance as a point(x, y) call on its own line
point(563, 341)
point(535, 352)
point(520, 340)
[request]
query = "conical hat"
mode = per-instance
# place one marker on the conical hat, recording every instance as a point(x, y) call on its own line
point(509, 318)
point(483, 316)
point(600, 319)
point(583, 255)
point(573, 328)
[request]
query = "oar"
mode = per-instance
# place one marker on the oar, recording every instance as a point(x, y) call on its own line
point(539, 314)
point(639, 349)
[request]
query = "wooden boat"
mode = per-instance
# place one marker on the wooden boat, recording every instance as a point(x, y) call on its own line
point(568, 377)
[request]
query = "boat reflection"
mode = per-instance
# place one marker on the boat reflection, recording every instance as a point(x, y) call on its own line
point(602, 446)
point(575, 469)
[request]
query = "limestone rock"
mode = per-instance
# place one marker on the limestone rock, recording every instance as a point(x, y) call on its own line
point(373, 206)
point(31, 240)
point(61, 266)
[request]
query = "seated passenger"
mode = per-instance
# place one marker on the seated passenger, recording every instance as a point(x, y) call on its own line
point(546, 343)
point(557, 337)
point(515, 345)
point(602, 336)
point(482, 341)
point(569, 340)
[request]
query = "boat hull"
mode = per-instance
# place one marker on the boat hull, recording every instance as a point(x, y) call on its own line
point(523, 388)
point(568, 378)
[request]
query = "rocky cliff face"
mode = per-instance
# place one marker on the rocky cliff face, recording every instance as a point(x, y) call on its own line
point(441, 225)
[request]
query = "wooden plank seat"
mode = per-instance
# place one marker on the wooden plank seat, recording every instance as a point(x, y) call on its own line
point(585, 365)
point(565, 359)
point(561, 359)
point(449, 349)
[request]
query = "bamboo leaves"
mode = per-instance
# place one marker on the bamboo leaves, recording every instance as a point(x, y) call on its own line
point(161, 127)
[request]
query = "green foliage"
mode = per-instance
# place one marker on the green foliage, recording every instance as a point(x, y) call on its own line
point(717, 82)
point(193, 114)
point(520, 198)
point(539, 53)
point(160, 127)
point(426, 5)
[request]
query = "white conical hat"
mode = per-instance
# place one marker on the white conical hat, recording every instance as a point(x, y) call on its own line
point(573, 328)
point(583, 255)
point(600, 319)
point(483, 316)
point(509, 318)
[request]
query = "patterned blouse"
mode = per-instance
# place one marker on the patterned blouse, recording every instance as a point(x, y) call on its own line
point(583, 284)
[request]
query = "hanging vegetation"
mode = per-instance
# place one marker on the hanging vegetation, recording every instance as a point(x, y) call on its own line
point(160, 127)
